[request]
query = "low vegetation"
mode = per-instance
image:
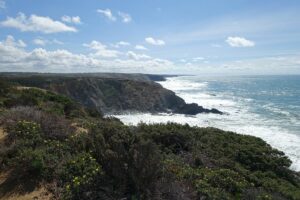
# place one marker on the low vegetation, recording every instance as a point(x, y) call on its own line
point(110, 160)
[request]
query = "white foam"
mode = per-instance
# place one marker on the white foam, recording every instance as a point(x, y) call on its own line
point(280, 139)
point(206, 100)
point(271, 108)
point(240, 118)
point(176, 84)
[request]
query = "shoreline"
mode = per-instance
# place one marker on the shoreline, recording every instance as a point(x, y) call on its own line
point(244, 123)
point(124, 119)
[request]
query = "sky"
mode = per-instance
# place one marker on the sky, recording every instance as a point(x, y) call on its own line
point(216, 37)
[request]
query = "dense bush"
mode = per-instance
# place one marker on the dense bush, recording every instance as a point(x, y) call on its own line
point(94, 158)
point(217, 183)
point(44, 100)
point(4, 88)
point(132, 163)
point(32, 153)
point(82, 178)
point(53, 126)
point(114, 161)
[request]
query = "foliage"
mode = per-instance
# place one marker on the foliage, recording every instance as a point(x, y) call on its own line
point(110, 160)
point(53, 126)
point(14, 96)
point(81, 177)
point(219, 183)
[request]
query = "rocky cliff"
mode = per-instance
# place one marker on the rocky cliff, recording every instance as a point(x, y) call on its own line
point(115, 94)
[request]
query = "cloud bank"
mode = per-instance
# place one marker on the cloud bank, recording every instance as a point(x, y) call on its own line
point(14, 57)
point(36, 23)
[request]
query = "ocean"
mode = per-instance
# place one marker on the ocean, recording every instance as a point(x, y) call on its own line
point(267, 107)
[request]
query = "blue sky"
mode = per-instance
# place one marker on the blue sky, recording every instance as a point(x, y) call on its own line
point(151, 36)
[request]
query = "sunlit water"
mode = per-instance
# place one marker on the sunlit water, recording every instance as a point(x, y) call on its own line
point(264, 106)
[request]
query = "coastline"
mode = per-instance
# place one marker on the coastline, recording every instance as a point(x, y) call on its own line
point(94, 145)
point(240, 119)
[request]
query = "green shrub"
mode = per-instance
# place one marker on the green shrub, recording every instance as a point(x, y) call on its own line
point(115, 161)
point(29, 162)
point(170, 137)
point(47, 101)
point(216, 183)
point(82, 177)
point(5, 87)
point(132, 163)
point(52, 126)
point(24, 132)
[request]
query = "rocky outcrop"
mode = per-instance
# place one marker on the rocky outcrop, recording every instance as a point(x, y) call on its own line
point(116, 95)
point(193, 109)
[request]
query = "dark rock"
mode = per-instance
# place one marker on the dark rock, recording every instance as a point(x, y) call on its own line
point(216, 111)
point(193, 109)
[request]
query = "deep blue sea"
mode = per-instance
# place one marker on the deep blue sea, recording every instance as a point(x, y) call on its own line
point(276, 99)
point(264, 106)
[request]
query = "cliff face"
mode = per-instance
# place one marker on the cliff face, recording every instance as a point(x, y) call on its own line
point(111, 95)
point(114, 95)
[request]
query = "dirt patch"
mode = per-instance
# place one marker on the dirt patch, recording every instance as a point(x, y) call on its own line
point(39, 194)
point(79, 129)
point(2, 134)
point(10, 189)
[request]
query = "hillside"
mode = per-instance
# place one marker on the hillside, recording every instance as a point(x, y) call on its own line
point(124, 76)
point(53, 147)
point(112, 93)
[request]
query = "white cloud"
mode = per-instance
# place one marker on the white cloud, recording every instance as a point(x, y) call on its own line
point(135, 56)
point(101, 50)
point(198, 59)
point(36, 23)
point(40, 42)
point(44, 42)
point(2, 4)
point(126, 18)
point(285, 64)
point(140, 47)
point(121, 43)
point(153, 41)
point(11, 52)
point(10, 41)
point(240, 25)
point(21, 43)
point(108, 14)
point(15, 58)
point(182, 60)
point(239, 42)
point(189, 65)
point(69, 19)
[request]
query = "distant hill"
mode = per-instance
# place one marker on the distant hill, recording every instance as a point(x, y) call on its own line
point(111, 93)
point(132, 76)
